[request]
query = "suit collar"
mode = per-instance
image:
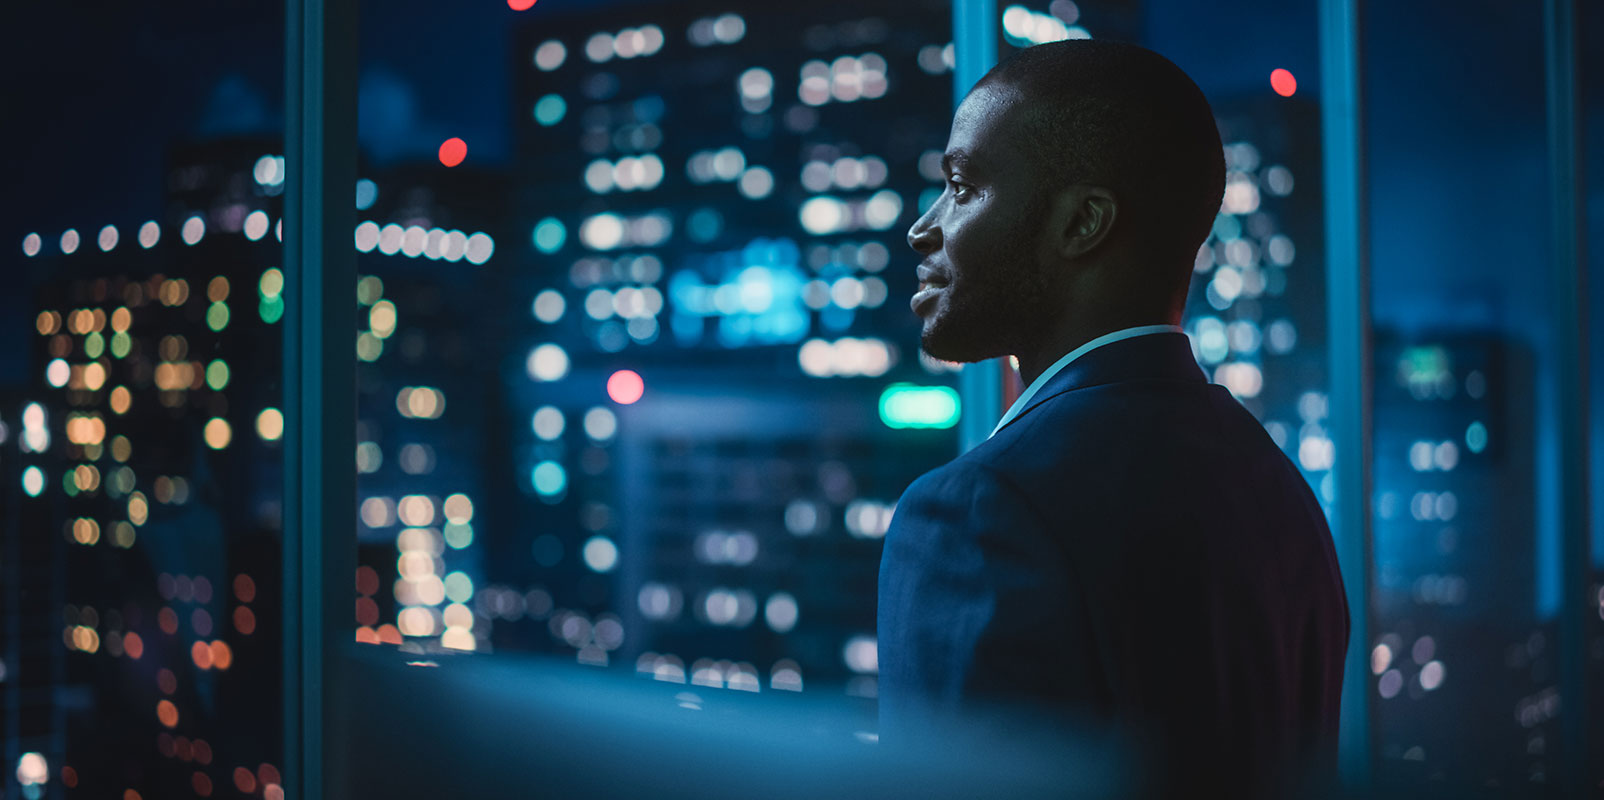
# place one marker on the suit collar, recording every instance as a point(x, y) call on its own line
point(1159, 356)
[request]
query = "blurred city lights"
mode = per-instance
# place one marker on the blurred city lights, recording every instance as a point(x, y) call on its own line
point(1283, 83)
point(453, 151)
point(625, 387)
point(904, 405)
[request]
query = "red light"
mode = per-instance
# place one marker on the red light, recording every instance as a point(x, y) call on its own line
point(1283, 83)
point(453, 151)
point(625, 387)
point(521, 5)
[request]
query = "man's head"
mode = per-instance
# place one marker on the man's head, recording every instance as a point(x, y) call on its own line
point(1082, 176)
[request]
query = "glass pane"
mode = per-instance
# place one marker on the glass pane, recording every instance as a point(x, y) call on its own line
point(641, 386)
point(1466, 539)
point(1257, 312)
point(1591, 54)
point(139, 394)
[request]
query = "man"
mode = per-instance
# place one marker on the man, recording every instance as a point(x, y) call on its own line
point(1129, 548)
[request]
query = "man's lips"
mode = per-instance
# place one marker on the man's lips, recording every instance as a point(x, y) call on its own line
point(932, 283)
point(930, 276)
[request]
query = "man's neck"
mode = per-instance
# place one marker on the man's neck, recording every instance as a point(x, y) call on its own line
point(1035, 361)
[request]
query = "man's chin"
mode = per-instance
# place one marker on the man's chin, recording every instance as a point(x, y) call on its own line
point(939, 341)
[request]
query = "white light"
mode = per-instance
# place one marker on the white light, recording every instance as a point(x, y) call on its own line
point(728, 163)
point(599, 176)
point(651, 171)
point(480, 248)
point(847, 292)
point(599, 48)
point(861, 654)
point(548, 362)
point(547, 422)
point(875, 171)
point(367, 236)
point(32, 770)
point(1241, 378)
point(756, 83)
point(780, 612)
point(256, 225)
point(602, 232)
point(108, 238)
point(57, 372)
point(756, 183)
point(194, 228)
point(69, 241)
point(823, 214)
point(1227, 283)
point(817, 358)
point(652, 39)
point(1281, 250)
point(1278, 180)
point(629, 43)
point(412, 241)
point(149, 234)
point(456, 246)
point(31, 244)
point(599, 304)
point(434, 245)
point(600, 424)
point(600, 554)
point(816, 176)
point(549, 306)
point(882, 210)
point(390, 237)
point(729, 28)
point(650, 230)
point(269, 170)
point(629, 302)
point(1017, 22)
point(1431, 675)
point(33, 481)
point(550, 55)
point(658, 601)
point(628, 173)
point(1241, 196)
point(874, 292)
point(651, 300)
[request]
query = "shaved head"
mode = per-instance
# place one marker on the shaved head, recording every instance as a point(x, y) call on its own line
point(1125, 118)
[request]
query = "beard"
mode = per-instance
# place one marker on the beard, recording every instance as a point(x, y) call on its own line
point(996, 307)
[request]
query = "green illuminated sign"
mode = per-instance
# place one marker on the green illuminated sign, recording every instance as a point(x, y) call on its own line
point(906, 405)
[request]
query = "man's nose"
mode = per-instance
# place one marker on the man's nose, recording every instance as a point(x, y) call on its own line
point(925, 235)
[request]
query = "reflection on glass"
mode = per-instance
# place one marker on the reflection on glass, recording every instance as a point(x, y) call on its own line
point(1463, 652)
point(642, 390)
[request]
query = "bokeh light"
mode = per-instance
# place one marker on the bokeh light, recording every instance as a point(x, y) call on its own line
point(453, 151)
point(625, 387)
point(1283, 83)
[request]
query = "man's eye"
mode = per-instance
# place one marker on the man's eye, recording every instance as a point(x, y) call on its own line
point(960, 191)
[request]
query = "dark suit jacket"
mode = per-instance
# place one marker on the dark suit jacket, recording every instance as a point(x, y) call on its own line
point(1133, 551)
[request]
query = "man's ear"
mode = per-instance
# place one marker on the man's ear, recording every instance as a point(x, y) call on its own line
point(1083, 216)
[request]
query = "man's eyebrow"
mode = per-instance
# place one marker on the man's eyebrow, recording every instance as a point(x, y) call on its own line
point(956, 159)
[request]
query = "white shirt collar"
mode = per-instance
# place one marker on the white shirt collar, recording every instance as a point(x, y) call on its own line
point(1058, 366)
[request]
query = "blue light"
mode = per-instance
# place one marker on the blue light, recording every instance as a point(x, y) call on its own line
point(366, 193)
point(549, 235)
point(549, 478)
point(757, 297)
point(549, 110)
